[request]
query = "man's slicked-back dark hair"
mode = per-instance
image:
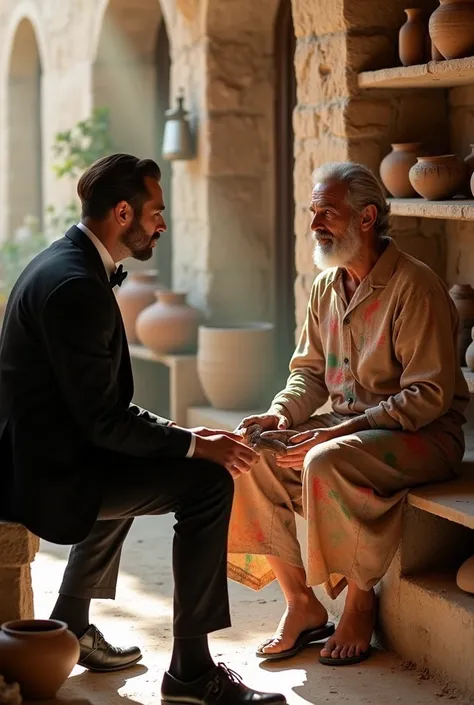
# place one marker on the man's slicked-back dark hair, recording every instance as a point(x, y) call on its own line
point(115, 178)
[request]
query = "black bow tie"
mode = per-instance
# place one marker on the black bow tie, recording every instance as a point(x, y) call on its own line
point(117, 277)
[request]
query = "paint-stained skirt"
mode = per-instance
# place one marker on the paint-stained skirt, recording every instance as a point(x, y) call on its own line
point(351, 491)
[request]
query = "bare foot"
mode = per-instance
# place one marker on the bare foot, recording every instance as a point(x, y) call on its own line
point(305, 612)
point(354, 631)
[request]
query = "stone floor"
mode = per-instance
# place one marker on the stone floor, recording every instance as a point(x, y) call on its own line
point(141, 614)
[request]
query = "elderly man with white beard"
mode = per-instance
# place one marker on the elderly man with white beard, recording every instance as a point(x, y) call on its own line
point(379, 341)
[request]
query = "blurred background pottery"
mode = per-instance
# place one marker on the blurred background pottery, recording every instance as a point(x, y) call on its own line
point(412, 38)
point(395, 168)
point(169, 325)
point(136, 293)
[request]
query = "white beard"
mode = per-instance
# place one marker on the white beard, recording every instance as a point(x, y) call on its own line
point(339, 252)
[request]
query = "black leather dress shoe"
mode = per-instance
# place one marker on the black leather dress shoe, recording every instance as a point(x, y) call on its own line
point(100, 656)
point(220, 686)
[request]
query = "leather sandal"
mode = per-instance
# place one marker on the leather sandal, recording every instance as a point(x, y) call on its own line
point(306, 638)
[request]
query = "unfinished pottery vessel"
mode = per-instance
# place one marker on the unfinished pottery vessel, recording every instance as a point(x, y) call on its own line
point(235, 364)
point(136, 293)
point(412, 38)
point(451, 28)
point(169, 325)
point(395, 168)
point(465, 576)
point(463, 297)
point(38, 654)
point(438, 178)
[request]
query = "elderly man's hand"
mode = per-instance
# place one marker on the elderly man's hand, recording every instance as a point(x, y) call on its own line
point(302, 443)
point(267, 422)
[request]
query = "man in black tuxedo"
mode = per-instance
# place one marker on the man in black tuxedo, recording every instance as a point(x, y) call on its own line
point(79, 461)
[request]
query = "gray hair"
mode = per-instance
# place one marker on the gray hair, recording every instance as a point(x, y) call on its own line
point(363, 189)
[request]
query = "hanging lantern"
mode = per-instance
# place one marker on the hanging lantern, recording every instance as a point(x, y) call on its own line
point(177, 139)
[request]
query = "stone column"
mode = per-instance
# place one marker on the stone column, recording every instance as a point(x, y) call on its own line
point(17, 550)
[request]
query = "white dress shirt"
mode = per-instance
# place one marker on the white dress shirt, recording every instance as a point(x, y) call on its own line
point(110, 267)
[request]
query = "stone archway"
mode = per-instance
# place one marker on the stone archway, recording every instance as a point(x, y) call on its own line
point(131, 78)
point(24, 133)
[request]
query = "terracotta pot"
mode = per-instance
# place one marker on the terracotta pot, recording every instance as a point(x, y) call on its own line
point(38, 654)
point(470, 352)
point(469, 161)
point(472, 184)
point(136, 293)
point(436, 55)
point(412, 38)
point(438, 178)
point(236, 364)
point(463, 297)
point(451, 28)
point(169, 325)
point(465, 576)
point(395, 167)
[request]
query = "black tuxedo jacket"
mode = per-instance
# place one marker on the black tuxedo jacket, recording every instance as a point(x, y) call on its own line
point(65, 394)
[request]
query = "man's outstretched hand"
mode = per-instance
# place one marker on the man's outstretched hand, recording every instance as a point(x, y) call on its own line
point(224, 449)
point(267, 422)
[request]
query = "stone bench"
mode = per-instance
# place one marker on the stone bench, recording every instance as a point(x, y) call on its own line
point(18, 548)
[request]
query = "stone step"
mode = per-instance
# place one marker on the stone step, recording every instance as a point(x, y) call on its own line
point(449, 500)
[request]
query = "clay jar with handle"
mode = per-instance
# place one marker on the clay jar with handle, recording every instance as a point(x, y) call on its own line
point(169, 325)
point(38, 654)
point(235, 364)
point(412, 38)
point(438, 178)
point(463, 297)
point(136, 293)
point(451, 28)
point(395, 167)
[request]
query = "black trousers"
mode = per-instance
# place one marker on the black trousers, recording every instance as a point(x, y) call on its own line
point(200, 495)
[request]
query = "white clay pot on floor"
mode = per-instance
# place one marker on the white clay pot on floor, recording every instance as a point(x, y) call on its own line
point(465, 576)
point(236, 364)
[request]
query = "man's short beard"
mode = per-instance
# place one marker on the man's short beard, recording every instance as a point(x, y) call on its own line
point(341, 251)
point(133, 239)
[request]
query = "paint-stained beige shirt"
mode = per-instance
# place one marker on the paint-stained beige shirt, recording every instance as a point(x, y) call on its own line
point(391, 353)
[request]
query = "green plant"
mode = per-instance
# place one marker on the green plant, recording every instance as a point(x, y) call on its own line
point(74, 150)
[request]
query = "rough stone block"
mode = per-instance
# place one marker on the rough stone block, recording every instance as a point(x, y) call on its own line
point(16, 594)
point(304, 253)
point(320, 66)
point(358, 118)
point(17, 545)
point(366, 52)
point(313, 153)
point(303, 286)
point(372, 14)
point(238, 145)
point(366, 152)
point(306, 122)
point(318, 17)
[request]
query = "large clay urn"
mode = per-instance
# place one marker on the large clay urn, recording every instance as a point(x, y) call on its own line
point(463, 297)
point(438, 178)
point(38, 654)
point(412, 38)
point(169, 325)
point(451, 28)
point(136, 293)
point(236, 365)
point(395, 167)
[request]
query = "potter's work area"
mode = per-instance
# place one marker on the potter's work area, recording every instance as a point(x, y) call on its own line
point(142, 615)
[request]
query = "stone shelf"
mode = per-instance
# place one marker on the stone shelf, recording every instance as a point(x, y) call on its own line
point(469, 377)
point(435, 74)
point(456, 209)
point(449, 500)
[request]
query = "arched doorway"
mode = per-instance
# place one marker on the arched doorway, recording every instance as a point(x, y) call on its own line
point(131, 79)
point(24, 141)
point(285, 102)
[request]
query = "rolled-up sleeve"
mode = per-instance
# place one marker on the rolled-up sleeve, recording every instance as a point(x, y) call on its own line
point(425, 338)
point(305, 389)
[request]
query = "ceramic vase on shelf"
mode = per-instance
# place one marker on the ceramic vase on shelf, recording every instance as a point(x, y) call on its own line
point(451, 28)
point(412, 38)
point(169, 325)
point(236, 365)
point(395, 167)
point(469, 161)
point(472, 184)
point(436, 55)
point(465, 576)
point(463, 298)
point(38, 654)
point(136, 293)
point(470, 352)
point(438, 178)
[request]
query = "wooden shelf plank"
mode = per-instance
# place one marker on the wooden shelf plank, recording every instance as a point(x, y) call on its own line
point(435, 74)
point(456, 209)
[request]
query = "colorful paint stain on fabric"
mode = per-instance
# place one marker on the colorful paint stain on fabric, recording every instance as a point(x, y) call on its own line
point(381, 341)
point(336, 537)
point(390, 459)
point(333, 494)
point(362, 342)
point(348, 394)
point(248, 561)
point(319, 488)
point(370, 310)
point(415, 444)
point(333, 325)
point(257, 531)
point(335, 376)
point(367, 491)
point(332, 360)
